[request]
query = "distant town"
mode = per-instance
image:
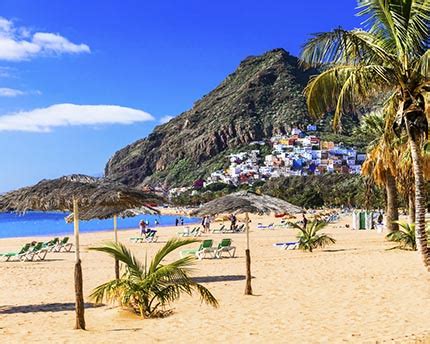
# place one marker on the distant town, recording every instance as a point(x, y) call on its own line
point(300, 153)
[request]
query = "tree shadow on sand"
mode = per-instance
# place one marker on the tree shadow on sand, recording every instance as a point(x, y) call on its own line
point(47, 307)
point(221, 278)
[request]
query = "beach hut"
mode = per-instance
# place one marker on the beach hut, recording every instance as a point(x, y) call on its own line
point(246, 202)
point(71, 193)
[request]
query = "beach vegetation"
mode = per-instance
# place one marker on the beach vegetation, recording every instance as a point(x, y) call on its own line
point(148, 288)
point(405, 236)
point(310, 236)
point(389, 58)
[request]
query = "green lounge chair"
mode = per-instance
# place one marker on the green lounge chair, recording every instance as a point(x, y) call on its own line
point(218, 230)
point(16, 255)
point(190, 233)
point(51, 244)
point(37, 251)
point(225, 246)
point(64, 245)
point(200, 252)
point(150, 237)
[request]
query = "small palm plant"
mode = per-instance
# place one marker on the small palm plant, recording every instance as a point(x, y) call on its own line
point(310, 238)
point(405, 236)
point(148, 288)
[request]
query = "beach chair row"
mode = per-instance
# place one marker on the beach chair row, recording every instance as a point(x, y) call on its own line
point(206, 248)
point(293, 245)
point(195, 232)
point(38, 251)
point(149, 238)
point(224, 229)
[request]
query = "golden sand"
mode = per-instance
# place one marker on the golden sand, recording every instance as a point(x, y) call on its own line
point(354, 291)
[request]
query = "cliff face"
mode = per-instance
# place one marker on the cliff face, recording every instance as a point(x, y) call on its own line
point(261, 98)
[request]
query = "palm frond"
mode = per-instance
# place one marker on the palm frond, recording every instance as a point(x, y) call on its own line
point(170, 246)
point(120, 252)
point(355, 47)
point(341, 87)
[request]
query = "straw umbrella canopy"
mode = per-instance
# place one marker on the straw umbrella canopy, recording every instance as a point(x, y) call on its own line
point(246, 202)
point(70, 193)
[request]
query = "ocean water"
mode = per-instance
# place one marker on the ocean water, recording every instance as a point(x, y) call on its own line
point(33, 224)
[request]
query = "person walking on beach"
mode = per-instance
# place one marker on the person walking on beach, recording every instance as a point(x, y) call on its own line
point(233, 220)
point(204, 223)
point(182, 221)
point(176, 222)
point(305, 221)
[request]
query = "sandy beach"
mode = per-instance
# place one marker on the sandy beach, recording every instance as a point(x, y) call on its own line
point(354, 291)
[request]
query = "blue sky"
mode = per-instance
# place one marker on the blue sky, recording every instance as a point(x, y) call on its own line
point(81, 79)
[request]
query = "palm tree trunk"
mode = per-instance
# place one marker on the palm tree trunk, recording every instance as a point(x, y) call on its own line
point(411, 205)
point(420, 205)
point(392, 203)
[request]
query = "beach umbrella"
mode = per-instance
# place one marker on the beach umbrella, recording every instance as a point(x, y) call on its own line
point(104, 212)
point(246, 202)
point(70, 193)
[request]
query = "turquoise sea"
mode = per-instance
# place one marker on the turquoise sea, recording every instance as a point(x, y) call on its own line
point(33, 224)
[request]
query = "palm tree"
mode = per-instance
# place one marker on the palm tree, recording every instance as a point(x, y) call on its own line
point(405, 236)
point(379, 163)
point(309, 237)
point(389, 56)
point(148, 288)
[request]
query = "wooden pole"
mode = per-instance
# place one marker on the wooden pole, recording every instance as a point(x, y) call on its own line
point(79, 295)
point(115, 231)
point(248, 288)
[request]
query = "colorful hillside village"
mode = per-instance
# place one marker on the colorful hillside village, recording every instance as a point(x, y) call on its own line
point(300, 153)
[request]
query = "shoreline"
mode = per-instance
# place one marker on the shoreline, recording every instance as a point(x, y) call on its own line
point(70, 234)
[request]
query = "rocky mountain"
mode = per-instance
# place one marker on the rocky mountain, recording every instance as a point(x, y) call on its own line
point(264, 96)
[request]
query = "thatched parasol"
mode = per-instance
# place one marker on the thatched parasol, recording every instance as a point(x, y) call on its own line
point(69, 194)
point(246, 202)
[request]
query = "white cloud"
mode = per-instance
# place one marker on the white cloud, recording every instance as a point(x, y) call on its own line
point(10, 92)
point(62, 115)
point(165, 119)
point(18, 43)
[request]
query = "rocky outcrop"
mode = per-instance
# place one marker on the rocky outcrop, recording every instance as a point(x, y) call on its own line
point(264, 96)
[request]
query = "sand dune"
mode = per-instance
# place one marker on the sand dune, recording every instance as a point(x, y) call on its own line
point(354, 291)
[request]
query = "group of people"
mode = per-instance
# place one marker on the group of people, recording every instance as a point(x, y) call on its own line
point(206, 223)
point(179, 221)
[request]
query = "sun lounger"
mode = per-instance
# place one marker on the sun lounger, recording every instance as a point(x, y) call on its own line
point(51, 244)
point(219, 230)
point(64, 245)
point(200, 252)
point(36, 252)
point(193, 233)
point(261, 226)
point(241, 228)
point(225, 246)
point(16, 255)
point(287, 245)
